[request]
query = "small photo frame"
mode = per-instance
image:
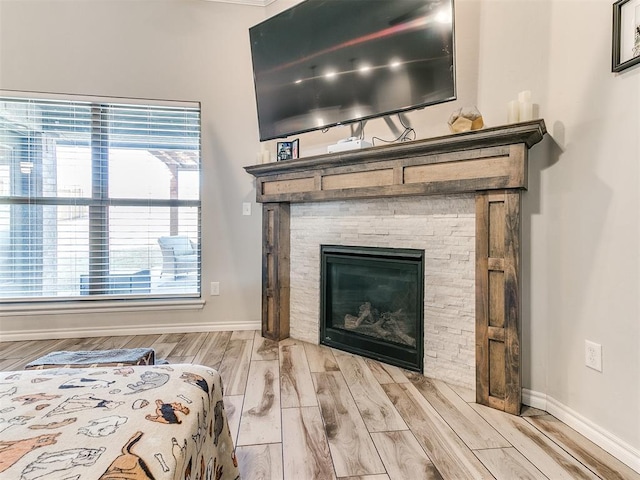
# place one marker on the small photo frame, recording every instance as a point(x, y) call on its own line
point(626, 35)
point(288, 150)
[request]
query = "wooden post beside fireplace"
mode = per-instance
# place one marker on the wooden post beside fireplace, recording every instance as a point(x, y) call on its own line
point(492, 163)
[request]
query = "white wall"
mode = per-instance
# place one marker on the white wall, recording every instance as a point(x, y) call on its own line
point(581, 214)
point(166, 49)
point(581, 225)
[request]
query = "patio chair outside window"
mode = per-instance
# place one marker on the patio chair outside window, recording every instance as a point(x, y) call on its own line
point(179, 255)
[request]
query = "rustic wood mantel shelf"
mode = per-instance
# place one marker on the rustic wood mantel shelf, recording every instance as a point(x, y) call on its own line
point(491, 163)
point(489, 159)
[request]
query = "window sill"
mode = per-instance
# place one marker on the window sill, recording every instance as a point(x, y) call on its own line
point(105, 306)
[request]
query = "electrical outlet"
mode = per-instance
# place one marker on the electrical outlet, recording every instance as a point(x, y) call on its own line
point(215, 288)
point(593, 355)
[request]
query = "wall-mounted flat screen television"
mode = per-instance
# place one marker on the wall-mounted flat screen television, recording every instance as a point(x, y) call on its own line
point(323, 63)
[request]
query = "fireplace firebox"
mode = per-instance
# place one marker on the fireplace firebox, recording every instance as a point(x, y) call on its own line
point(372, 303)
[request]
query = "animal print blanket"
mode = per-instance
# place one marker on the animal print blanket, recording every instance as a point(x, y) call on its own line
point(115, 423)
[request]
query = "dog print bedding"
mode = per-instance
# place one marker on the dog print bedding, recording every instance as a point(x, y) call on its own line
point(115, 423)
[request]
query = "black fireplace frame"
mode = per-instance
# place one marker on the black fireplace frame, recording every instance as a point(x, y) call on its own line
point(404, 356)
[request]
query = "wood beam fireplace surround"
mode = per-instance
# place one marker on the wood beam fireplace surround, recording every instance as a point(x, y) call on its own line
point(490, 165)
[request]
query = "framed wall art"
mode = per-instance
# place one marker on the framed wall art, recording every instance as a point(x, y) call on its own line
point(626, 35)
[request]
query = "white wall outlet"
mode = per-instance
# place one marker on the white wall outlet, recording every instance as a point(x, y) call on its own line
point(593, 355)
point(215, 288)
point(246, 208)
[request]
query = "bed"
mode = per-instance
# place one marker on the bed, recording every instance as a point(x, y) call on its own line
point(107, 423)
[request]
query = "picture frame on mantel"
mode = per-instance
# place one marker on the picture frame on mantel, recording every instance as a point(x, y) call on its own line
point(288, 150)
point(626, 35)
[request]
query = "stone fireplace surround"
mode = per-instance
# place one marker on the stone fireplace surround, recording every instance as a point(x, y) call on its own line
point(452, 196)
point(442, 226)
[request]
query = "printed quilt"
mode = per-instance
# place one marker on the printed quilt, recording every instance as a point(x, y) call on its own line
point(115, 423)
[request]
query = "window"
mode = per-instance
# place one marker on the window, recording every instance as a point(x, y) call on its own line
point(98, 200)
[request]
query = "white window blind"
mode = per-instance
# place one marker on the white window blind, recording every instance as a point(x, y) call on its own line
point(98, 200)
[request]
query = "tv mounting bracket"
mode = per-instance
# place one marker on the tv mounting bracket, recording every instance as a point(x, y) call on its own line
point(357, 128)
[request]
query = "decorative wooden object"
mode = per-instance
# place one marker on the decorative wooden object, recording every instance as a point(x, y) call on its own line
point(491, 162)
point(275, 271)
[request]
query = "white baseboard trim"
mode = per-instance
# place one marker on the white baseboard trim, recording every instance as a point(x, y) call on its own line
point(620, 449)
point(120, 330)
point(534, 399)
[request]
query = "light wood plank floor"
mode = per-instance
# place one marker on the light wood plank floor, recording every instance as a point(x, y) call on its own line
point(299, 411)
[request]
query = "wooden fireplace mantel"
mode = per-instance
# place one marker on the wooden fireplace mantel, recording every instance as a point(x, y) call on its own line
point(489, 159)
point(492, 163)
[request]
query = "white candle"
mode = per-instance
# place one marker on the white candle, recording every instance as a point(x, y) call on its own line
point(524, 96)
point(513, 111)
point(526, 111)
point(266, 157)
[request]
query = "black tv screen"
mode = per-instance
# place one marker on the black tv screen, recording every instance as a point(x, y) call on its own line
point(323, 63)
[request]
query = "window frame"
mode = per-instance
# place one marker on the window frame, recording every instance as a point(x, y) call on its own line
point(98, 204)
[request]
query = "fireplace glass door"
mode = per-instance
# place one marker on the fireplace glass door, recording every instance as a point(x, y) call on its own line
point(372, 303)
